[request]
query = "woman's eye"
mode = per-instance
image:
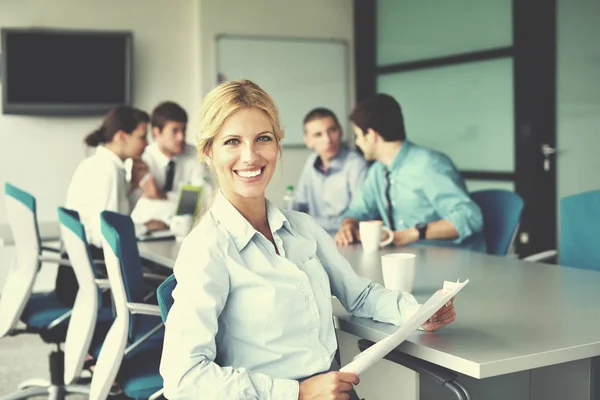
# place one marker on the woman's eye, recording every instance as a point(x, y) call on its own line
point(231, 142)
point(265, 138)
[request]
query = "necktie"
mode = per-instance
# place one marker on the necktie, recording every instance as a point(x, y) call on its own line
point(170, 176)
point(390, 211)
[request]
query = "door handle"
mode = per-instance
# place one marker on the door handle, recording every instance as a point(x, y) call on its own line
point(547, 151)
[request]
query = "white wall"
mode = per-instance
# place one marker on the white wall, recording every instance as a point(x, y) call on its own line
point(328, 19)
point(578, 96)
point(40, 154)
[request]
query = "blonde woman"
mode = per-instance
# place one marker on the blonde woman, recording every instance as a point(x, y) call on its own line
point(252, 317)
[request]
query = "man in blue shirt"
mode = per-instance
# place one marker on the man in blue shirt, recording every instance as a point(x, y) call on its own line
point(332, 175)
point(417, 192)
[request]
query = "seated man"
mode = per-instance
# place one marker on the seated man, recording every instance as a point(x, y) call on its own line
point(171, 162)
point(332, 175)
point(416, 191)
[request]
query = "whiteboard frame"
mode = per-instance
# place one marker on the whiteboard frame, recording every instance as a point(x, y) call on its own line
point(341, 119)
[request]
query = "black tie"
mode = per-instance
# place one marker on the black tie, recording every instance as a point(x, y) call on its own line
point(170, 176)
point(390, 211)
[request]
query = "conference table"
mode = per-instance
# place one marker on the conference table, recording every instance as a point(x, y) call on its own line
point(523, 330)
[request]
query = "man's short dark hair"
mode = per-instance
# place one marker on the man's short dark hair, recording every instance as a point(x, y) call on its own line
point(167, 111)
point(320, 113)
point(383, 114)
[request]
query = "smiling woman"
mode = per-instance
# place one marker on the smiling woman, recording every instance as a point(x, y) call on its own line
point(252, 314)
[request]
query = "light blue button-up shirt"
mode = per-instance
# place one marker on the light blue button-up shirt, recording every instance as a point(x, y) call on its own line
point(326, 194)
point(425, 187)
point(247, 322)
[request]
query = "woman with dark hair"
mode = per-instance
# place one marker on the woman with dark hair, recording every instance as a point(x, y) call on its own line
point(100, 183)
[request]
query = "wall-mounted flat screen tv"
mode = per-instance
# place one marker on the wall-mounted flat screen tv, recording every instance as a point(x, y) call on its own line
point(64, 72)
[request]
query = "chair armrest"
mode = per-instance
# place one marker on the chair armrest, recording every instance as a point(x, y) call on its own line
point(439, 374)
point(59, 261)
point(543, 256)
point(102, 283)
point(154, 277)
point(59, 320)
point(99, 262)
point(51, 249)
point(157, 395)
point(142, 308)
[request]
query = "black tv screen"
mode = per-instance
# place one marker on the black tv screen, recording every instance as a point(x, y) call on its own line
point(63, 72)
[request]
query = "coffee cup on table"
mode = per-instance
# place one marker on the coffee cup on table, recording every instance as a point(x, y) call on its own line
point(398, 271)
point(371, 233)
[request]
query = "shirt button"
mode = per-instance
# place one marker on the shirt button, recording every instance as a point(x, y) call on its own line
point(311, 297)
point(393, 203)
point(391, 181)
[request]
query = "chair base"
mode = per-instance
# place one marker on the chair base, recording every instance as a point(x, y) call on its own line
point(53, 392)
point(55, 389)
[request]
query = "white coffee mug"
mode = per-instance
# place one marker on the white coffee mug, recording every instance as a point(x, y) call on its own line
point(398, 271)
point(370, 235)
point(181, 225)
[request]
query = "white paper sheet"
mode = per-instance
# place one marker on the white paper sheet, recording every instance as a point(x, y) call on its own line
point(376, 352)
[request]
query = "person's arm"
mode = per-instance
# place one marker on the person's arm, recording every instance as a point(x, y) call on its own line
point(367, 299)
point(188, 363)
point(358, 295)
point(444, 189)
point(363, 207)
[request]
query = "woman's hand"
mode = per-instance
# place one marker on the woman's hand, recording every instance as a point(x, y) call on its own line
point(441, 318)
point(330, 386)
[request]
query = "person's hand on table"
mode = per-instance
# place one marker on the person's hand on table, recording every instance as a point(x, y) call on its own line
point(155, 225)
point(348, 233)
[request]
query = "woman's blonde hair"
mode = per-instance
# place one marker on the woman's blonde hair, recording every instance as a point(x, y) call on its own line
point(225, 100)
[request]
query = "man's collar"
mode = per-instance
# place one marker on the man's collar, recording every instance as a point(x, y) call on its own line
point(337, 162)
point(160, 157)
point(400, 155)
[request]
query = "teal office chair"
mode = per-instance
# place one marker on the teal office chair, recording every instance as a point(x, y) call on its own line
point(579, 240)
point(133, 346)
point(41, 313)
point(501, 216)
point(89, 321)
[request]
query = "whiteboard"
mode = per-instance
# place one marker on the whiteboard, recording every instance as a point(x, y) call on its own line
point(299, 74)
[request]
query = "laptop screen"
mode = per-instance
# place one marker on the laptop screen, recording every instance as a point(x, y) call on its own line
point(188, 201)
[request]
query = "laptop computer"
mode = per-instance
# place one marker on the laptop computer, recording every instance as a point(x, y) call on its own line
point(188, 203)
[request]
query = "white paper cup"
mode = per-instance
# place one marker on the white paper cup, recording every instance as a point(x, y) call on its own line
point(398, 271)
point(181, 225)
point(370, 235)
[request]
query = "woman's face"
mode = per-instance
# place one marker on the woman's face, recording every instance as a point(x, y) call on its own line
point(135, 142)
point(244, 154)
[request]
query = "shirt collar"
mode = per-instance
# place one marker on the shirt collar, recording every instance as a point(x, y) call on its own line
point(400, 156)
point(107, 154)
point(160, 157)
point(238, 227)
point(337, 163)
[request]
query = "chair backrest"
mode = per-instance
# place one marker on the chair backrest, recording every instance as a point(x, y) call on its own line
point(126, 282)
point(579, 238)
point(164, 295)
point(85, 310)
point(22, 218)
point(501, 215)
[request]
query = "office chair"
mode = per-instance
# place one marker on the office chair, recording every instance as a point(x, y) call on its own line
point(89, 321)
point(501, 215)
point(579, 241)
point(133, 346)
point(41, 313)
